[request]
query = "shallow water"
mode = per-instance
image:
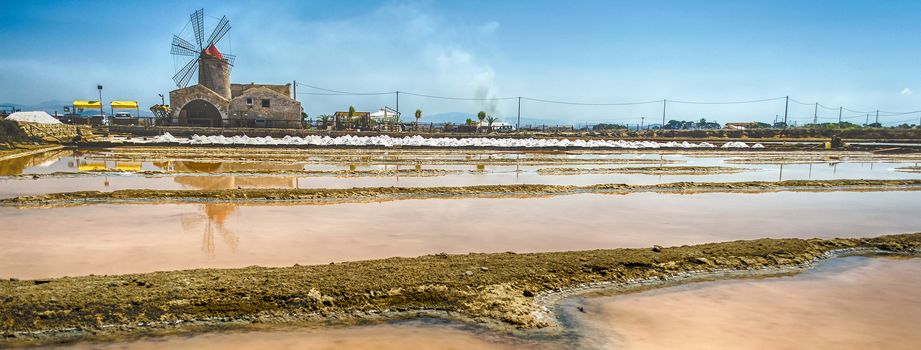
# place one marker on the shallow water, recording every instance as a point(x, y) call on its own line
point(475, 169)
point(114, 239)
point(849, 303)
point(384, 337)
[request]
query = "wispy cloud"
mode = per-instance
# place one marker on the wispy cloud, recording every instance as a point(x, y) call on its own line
point(906, 91)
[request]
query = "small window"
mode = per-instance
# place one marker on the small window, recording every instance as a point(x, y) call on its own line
point(249, 101)
point(265, 103)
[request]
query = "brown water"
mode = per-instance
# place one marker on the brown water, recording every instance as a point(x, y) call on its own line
point(383, 337)
point(850, 303)
point(114, 239)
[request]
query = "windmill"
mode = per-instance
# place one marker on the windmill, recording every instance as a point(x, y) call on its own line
point(200, 49)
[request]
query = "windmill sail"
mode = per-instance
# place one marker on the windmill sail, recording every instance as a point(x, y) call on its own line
point(185, 74)
point(199, 48)
point(198, 26)
point(182, 47)
point(222, 27)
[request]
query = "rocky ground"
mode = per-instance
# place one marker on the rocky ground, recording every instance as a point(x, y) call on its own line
point(364, 194)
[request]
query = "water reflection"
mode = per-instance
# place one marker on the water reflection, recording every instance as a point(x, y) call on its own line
point(850, 303)
point(211, 219)
point(106, 239)
point(17, 165)
point(409, 335)
point(231, 182)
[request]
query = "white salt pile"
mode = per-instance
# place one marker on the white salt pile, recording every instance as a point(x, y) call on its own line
point(38, 117)
point(166, 137)
point(735, 144)
point(757, 145)
point(419, 141)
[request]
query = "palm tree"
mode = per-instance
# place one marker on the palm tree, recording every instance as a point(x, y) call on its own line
point(418, 116)
point(490, 119)
point(325, 120)
point(480, 116)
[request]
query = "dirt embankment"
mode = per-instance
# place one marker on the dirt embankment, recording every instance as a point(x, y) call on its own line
point(500, 288)
point(363, 194)
point(909, 169)
point(657, 170)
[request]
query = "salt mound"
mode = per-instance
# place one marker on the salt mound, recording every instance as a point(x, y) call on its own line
point(165, 138)
point(38, 117)
point(735, 144)
point(757, 145)
point(419, 141)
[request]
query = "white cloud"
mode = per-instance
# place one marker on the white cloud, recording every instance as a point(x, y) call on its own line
point(906, 91)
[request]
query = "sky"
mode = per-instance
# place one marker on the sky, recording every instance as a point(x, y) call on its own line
point(862, 55)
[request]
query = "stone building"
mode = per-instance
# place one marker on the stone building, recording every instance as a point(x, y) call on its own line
point(215, 102)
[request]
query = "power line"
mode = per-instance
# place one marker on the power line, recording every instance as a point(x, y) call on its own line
point(347, 92)
point(728, 103)
point(332, 92)
point(459, 98)
point(591, 104)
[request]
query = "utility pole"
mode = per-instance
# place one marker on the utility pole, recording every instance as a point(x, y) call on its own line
point(815, 115)
point(642, 121)
point(398, 104)
point(786, 107)
point(877, 116)
point(295, 90)
point(867, 121)
point(101, 112)
point(663, 112)
point(839, 116)
point(518, 123)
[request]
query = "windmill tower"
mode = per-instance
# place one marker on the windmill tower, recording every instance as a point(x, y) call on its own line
point(212, 66)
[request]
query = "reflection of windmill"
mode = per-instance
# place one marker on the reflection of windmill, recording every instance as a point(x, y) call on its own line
point(216, 215)
point(212, 66)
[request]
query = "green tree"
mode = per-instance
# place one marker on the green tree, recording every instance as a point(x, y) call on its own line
point(489, 120)
point(418, 116)
point(480, 116)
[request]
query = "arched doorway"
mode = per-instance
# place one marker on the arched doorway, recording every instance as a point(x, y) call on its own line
point(200, 113)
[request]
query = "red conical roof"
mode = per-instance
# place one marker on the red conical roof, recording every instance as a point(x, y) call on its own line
point(213, 52)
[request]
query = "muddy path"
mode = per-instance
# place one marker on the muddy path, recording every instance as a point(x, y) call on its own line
point(504, 291)
point(372, 194)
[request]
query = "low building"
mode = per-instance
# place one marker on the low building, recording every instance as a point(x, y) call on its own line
point(215, 102)
point(746, 125)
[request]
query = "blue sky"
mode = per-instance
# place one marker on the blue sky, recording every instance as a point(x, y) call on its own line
point(863, 55)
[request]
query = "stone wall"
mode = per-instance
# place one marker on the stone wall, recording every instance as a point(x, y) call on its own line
point(56, 132)
point(180, 97)
point(283, 111)
point(238, 89)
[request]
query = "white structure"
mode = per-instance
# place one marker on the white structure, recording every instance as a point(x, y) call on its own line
point(386, 114)
point(496, 126)
point(33, 117)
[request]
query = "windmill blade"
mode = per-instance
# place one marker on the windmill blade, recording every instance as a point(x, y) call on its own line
point(230, 59)
point(198, 25)
point(222, 27)
point(182, 47)
point(185, 74)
